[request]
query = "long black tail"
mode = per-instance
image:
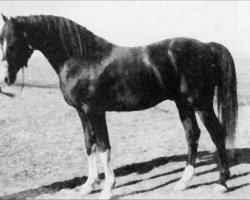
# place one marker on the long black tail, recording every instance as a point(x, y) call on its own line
point(227, 99)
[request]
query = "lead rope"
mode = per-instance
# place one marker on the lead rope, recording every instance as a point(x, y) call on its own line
point(20, 92)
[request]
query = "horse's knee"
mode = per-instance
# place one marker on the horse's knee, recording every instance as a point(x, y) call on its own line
point(90, 147)
point(97, 144)
point(102, 141)
point(103, 146)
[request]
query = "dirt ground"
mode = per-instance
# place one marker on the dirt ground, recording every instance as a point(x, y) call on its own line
point(42, 152)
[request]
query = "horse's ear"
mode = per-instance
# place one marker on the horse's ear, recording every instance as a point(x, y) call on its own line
point(14, 21)
point(4, 17)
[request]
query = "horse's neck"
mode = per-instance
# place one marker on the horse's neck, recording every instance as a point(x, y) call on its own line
point(59, 47)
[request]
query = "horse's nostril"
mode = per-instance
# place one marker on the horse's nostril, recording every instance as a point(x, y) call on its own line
point(6, 80)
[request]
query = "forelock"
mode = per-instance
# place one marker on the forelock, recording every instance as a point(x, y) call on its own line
point(1, 43)
point(4, 31)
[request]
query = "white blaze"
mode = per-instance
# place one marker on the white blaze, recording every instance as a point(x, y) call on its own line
point(3, 64)
point(4, 46)
point(3, 71)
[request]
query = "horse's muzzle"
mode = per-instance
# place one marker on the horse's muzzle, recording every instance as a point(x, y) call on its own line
point(4, 72)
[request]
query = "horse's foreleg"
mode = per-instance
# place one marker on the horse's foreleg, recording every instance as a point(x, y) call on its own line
point(187, 115)
point(92, 179)
point(96, 135)
point(90, 143)
point(109, 175)
point(103, 146)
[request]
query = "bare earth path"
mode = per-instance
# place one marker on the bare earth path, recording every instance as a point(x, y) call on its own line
point(42, 152)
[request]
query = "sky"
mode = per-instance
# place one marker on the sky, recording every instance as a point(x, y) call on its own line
point(133, 23)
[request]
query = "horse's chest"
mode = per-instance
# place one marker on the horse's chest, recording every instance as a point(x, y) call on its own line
point(77, 83)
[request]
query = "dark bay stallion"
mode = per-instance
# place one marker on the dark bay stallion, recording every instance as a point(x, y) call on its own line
point(97, 76)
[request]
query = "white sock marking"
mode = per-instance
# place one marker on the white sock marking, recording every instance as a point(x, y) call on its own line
point(88, 186)
point(109, 175)
point(187, 175)
point(93, 174)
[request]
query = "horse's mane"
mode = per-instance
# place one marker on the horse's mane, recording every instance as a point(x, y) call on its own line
point(75, 39)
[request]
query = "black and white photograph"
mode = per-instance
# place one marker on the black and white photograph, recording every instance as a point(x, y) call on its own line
point(124, 99)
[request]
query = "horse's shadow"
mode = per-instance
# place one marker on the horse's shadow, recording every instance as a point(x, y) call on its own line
point(205, 157)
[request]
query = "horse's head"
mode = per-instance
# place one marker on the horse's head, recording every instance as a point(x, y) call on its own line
point(15, 50)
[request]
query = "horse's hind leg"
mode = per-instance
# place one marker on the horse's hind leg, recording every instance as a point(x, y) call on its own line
point(218, 134)
point(96, 140)
point(187, 115)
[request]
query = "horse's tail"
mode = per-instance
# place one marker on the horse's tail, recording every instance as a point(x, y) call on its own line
point(227, 100)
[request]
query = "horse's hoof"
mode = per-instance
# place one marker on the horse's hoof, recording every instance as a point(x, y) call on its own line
point(220, 188)
point(86, 189)
point(180, 186)
point(105, 194)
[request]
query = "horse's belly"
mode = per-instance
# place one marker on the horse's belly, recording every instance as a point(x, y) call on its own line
point(137, 101)
point(130, 107)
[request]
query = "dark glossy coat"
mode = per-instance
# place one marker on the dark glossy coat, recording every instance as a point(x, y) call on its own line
point(97, 76)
